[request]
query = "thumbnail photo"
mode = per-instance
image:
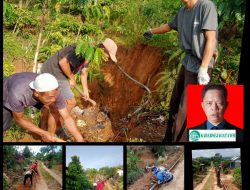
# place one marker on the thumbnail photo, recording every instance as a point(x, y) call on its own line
point(32, 167)
point(94, 167)
point(215, 112)
point(216, 169)
point(155, 167)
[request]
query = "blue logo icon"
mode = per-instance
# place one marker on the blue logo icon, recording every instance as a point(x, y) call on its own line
point(194, 136)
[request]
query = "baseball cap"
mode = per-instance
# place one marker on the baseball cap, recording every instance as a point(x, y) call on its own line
point(44, 82)
point(111, 47)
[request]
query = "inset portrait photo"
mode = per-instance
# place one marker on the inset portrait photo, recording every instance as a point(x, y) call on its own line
point(215, 112)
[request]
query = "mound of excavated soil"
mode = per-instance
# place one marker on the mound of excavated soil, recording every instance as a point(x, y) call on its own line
point(94, 125)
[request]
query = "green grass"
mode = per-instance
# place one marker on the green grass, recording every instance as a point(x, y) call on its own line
point(16, 132)
point(198, 179)
point(209, 183)
point(51, 182)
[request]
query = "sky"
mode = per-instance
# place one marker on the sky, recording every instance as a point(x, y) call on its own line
point(35, 149)
point(96, 156)
point(226, 152)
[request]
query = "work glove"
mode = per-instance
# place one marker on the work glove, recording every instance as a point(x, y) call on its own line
point(203, 77)
point(148, 35)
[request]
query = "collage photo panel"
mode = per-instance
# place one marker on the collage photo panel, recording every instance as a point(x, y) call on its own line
point(124, 94)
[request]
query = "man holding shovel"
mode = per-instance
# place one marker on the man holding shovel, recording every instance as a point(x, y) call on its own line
point(30, 89)
point(197, 24)
point(65, 64)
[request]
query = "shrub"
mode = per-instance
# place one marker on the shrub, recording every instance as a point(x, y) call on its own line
point(134, 172)
point(237, 177)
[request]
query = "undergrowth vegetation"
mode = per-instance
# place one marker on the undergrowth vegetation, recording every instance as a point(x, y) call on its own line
point(134, 172)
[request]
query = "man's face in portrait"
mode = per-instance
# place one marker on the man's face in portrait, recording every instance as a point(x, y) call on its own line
point(214, 105)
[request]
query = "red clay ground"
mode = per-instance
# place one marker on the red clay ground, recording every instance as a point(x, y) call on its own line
point(121, 96)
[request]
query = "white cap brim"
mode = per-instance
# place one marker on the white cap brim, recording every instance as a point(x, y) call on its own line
point(113, 57)
point(32, 85)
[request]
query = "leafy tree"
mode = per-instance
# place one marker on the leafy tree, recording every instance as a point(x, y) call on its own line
point(48, 153)
point(217, 158)
point(91, 174)
point(158, 150)
point(76, 178)
point(108, 172)
point(26, 152)
point(231, 13)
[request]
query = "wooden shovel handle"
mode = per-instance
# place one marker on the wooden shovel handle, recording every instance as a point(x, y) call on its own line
point(82, 94)
point(58, 139)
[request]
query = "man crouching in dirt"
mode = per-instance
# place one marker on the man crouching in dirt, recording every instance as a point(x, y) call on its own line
point(162, 175)
point(30, 89)
point(28, 175)
point(64, 64)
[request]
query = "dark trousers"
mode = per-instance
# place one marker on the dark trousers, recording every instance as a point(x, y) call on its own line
point(218, 180)
point(7, 118)
point(26, 177)
point(184, 78)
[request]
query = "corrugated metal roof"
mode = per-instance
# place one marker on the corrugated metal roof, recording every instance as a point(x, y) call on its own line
point(235, 158)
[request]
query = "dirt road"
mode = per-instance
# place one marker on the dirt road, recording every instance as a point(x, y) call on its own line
point(178, 181)
point(215, 187)
point(204, 181)
point(38, 184)
point(55, 176)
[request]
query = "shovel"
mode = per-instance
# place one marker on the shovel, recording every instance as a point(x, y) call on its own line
point(58, 139)
point(86, 99)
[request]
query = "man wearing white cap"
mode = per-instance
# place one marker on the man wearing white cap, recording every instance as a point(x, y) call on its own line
point(65, 64)
point(30, 89)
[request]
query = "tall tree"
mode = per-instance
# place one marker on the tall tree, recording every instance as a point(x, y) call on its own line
point(76, 178)
point(26, 152)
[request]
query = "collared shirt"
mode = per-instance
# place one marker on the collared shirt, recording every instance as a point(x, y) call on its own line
point(220, 126)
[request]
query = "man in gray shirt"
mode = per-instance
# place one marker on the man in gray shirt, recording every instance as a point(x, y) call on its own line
point(30, 89)
point(65, 64)
point(196, 23)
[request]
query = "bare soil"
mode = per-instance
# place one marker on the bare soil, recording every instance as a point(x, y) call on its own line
point(39, 183)
point(226, 179)
point(121, 96)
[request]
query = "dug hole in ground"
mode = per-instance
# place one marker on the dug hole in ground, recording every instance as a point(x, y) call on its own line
point(117, 97)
